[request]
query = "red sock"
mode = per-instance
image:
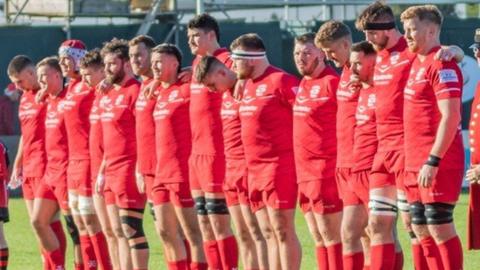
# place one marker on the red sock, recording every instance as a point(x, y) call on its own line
point(335, 257)
point(57, 259)
point(419, 260)
point(211, 254)
point(353, 261)
point(398, 261)
point(198, 266)
point(3, 258)
point(178, 265)
point(79, 266)
point(322, 258)
point(382, 257)
point(57, 229)
point(88, 254)
point(228, 250)
point(100, 248)
point(45, 260)
point(431, 253)
point(187, 249)
point(451, 253)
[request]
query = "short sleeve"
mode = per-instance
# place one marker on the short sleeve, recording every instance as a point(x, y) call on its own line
point(447, 80)
point(288, 88)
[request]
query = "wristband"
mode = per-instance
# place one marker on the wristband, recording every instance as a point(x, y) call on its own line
point(433, 161)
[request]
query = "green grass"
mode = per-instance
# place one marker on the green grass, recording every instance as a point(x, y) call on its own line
point(24, 252)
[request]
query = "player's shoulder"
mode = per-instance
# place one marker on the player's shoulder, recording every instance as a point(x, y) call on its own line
point(278, 75)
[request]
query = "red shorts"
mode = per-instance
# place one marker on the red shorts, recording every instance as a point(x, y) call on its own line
point(207, 173)
point(58, 193)
point(3, 194)
point(176, 193)
point(236, 182)
point(320, 196)
point(446, 187)
point(122, 183)
point(79, 177)
point(353, 186)
point(277, 192)
point(30, 186)
point(388, 170)
point(149, 180)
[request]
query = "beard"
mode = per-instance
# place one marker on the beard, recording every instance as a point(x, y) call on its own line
point(246, 73)
point(382, 44)
point(307, 71)
point(115, 78)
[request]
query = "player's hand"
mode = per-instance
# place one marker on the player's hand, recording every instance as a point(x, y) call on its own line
point(140, 182)
point(16, 178)
point(473, 174)
point(445, 54)
point(100, 183)
point(40, 96)
point(104, 86)
point(239, 89)
point(354, 84)
point(150, 89)
point(426, 175)
point(185, 75)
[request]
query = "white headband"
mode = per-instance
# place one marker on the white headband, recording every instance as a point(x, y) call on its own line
point(240, 54)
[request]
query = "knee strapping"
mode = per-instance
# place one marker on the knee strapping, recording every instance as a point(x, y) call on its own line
point(135, 231)
point(417, 212)
point(216, 207)
point(402, 203)
point(72, 230)
point(382, 206)
point(85, 205)
point(73, 203)
point(439, 213)
point(200, 206)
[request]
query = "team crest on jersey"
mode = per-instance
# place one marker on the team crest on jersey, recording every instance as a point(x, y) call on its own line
point(378, 59)
point(173, 96)
point(420, 74)
point(227, 104)
point(315, 91)
point(106, 103)
point(119, 100)
point(371, 100)
point(447, 75)
point(261, 89)
point(69, 96)
point(78, 88)
point(27, 105)
point(394, 57)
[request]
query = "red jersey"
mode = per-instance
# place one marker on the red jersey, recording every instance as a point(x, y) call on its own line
point(365, 140)
point(32, 124)
point(429, 81)
point(77, 105)
point(205, 107)
point(95, 138)
point(267, 119)
point(347, 106)
point(3, 165)
point(118, 124)
point(56, 143)
point(474, 131)
point(232, 136)
point(172, 132)
point(314, 117)
point(390, 77)
point(145, 129)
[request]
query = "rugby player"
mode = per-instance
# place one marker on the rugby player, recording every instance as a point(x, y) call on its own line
point(4, 216)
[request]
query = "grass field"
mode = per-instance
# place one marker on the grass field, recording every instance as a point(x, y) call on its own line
point(24, 252)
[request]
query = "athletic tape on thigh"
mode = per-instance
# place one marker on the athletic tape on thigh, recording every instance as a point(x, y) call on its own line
point(85, 205)
point(72, 229)
point(439, 213)
point(382, 206)
point(200, 206)
point(135, 224)
point(73, 203)
point(417, 212)
point(216, 207)
point(402, 202)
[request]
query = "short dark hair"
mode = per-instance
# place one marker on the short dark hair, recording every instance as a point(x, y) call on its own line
point(305, 38)
point(375, 12)
point(51, 62)
point(250, 41)
point(148, 41)
point(332, 31)
point(206, 23)
point(116, 46)
point(429, 13)
point(18, 64)
point(363, 46)
point(93, 58)
point(204, 67)
point(170, 49)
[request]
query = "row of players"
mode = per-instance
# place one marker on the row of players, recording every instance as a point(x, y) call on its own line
point(245, 140)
